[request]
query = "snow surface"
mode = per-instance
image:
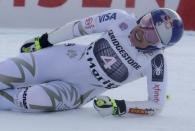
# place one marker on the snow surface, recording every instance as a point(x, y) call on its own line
point(178, 114)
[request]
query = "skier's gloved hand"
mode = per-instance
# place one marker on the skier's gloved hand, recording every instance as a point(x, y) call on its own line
point(36, 44)
point(105, 106)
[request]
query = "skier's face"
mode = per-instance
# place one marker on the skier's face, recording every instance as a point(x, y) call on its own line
point(144, 33)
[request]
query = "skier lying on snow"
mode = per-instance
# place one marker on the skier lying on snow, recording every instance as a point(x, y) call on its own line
point(66, 76)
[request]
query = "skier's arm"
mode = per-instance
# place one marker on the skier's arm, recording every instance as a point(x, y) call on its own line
point(156, 81)
point(93, 24)
point(156, 84)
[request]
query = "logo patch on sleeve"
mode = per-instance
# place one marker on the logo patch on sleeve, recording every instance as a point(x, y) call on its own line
point(123, 26)
point(107, 17)
point(158, 68)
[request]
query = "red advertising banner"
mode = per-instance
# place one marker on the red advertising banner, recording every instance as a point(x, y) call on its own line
point(186, 8)
point(187, 11)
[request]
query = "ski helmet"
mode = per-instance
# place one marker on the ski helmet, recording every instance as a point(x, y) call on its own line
point(168, 26)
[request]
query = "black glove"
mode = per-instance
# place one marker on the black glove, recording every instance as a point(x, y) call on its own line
point(36, 44)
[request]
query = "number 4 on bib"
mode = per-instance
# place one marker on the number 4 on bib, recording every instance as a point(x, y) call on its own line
point(108, 61)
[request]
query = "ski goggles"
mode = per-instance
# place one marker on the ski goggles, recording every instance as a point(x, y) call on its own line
point(149, 31)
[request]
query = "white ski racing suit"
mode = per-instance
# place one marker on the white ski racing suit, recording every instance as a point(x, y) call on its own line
point(67, 76)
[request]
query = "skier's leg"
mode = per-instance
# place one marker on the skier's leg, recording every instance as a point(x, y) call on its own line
point(7, 99)
point(17, 71)
point(32, 68)
point(52, 96)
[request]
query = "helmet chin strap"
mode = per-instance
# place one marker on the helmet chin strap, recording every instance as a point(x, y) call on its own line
point(138, 21)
